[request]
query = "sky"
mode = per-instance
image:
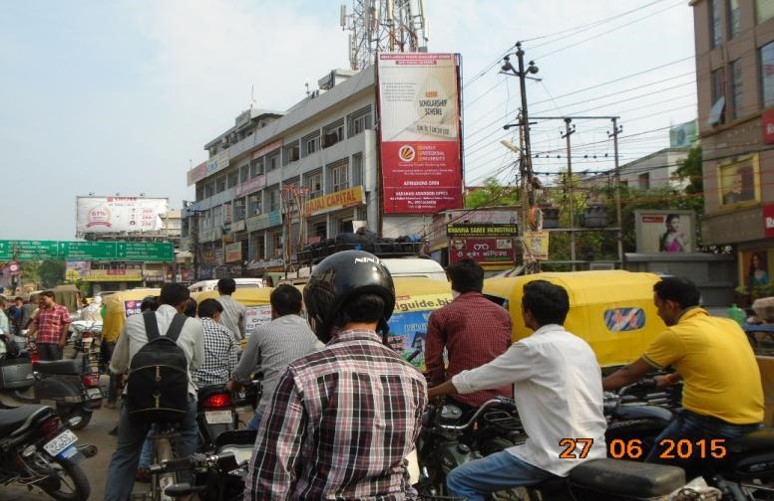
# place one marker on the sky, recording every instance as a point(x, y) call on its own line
point(121, 96)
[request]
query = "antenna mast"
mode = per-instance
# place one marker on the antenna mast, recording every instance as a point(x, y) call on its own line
point(383, 26)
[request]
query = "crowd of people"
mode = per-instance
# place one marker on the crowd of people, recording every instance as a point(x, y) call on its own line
point(341, 409)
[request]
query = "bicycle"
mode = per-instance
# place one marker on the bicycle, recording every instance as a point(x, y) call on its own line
point(162, 436)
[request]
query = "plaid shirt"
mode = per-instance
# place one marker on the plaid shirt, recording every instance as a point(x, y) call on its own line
point(340, 424)
point(220, 354)
point(474, 331)
point(51, 322)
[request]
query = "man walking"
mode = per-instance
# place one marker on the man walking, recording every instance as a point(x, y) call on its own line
point(343, 419)
point(51, 323)
point(273, 346)
point(233, 316)
point(472, 329)
point(131, 433)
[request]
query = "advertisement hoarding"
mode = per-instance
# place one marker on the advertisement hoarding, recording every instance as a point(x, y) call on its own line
point(482, 250)
point(419, 112)
point(665, 231)
point(119, 214)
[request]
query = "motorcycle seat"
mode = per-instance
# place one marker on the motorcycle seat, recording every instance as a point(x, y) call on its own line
point(13, 419)
point(66, 367)
point(753, 441)
point(617, 477)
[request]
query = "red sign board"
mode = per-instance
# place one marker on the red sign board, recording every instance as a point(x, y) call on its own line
point(768, 220)
point(767, 122)
point(481, 250)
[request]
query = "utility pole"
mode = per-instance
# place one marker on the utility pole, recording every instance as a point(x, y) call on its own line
point(617, 129)
point(568, 131)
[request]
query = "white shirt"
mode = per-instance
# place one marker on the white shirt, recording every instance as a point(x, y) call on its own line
point(557, 386)
point(233, 316)
point(133, 337)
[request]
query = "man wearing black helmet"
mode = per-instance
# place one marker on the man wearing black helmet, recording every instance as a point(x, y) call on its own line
point(343, 419)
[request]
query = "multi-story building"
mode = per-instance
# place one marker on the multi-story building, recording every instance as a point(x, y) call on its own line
point(735, 80)
point(655, 170)
point(321, 153)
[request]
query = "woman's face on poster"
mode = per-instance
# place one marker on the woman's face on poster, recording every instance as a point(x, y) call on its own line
point(674, 224)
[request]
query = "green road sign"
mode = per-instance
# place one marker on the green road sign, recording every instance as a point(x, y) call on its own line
point(29, 250)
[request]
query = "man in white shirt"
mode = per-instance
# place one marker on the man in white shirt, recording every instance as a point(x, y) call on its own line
point(233, 316)
point(558, 391)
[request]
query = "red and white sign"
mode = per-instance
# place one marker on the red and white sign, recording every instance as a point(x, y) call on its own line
point(767, 121)
point(768, 220)
point(419, 111)
point(481, 250)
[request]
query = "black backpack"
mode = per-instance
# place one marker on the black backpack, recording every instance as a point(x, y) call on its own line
point(157, 387)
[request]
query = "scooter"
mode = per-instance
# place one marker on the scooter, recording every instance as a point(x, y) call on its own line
point(216, 414)
point(68, 385)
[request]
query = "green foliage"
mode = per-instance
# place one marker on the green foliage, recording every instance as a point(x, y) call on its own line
point(45, 274)
point(492, 194)
point(691, 169)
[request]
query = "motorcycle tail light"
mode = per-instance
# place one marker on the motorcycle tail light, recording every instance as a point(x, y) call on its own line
point(217, 401)
point(87, 335)
point(50, 427)
point(90, 380)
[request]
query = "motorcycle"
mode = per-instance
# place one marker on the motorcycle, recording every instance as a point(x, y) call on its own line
point(36, 450)
point(216, 414)
point(218, 476)
point(69, 386)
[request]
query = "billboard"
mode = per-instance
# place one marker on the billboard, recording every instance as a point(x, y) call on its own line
point(665, 230)
point(119, 214)
point(419, 112)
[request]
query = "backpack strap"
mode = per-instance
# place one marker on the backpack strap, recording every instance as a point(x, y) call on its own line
point(176, 327)
point(151, 325)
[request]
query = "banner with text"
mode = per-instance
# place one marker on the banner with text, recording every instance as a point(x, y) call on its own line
point(119, 214)
point(419, 109)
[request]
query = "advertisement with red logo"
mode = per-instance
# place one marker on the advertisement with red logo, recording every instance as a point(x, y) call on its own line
point(419, 110)
point(481, 250)
point(767, 121)
point(768, 220)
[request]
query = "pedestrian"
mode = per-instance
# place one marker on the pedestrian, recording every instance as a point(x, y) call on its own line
point(52, 323)
point(722, 390)
point(221, 348)
point(233, 316)
point(558, 392)
point(273, 346)
point(472, 330)
point(16, 315)
point(342, 419)
point(131, 432)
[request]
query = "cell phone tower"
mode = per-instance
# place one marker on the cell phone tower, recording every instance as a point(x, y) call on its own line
point(384, 26)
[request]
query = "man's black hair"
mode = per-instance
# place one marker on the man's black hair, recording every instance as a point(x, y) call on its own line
point(366, 308)
point(47, 293)
point(547, 302)
point(226, 286)
point(678, 289)
point(209, 307)
point(286, 300)
point(174, 294)
point(466, 276)
point(190, 308)
point(150, 303)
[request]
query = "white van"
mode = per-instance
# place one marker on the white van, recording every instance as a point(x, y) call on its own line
point(415, 267)
point(241, 283)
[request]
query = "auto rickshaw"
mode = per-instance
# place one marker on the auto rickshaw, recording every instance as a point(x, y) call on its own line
point(256, 300)
point(612, 310)
point(120, 305)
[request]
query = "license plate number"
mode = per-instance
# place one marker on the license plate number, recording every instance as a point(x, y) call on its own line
point(94, 393)
point(60, 443)
point(218, 417)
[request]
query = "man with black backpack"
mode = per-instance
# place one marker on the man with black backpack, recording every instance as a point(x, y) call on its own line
point(159, 350)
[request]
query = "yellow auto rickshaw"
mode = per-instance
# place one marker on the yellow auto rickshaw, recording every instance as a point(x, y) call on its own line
point(612, 310)
point(257, 303)
point(120, 305)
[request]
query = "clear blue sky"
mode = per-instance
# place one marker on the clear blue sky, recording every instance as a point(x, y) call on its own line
point(119, 96)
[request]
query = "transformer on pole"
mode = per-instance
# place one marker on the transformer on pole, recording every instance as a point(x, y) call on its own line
point(383, 26)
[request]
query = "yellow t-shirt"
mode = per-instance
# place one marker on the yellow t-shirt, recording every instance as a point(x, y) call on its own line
point(720, 374)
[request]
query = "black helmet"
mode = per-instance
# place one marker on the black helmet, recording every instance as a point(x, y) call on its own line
point(338, 278)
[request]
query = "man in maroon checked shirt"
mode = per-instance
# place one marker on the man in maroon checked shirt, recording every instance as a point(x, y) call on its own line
point(473, 329)
point(52, 323)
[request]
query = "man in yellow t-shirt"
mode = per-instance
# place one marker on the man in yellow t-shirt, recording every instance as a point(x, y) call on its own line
point(722, 390)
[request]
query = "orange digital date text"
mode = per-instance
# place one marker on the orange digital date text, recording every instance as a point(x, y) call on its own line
point(579, 448)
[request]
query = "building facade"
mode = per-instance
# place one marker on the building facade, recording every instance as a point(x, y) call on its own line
point(734, 42)
point(277, 181)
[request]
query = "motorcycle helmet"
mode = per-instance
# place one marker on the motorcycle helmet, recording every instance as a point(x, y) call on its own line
point(340, 277)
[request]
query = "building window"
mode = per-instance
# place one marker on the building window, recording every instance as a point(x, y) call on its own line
point(199, 192)
point(233, 179)
point(256, 167)
point(644, 181)
point(764, 10)
point(333, 133)
point(359, 121)
point(254, 205)
point(716, 34)
point(767, 74)
point(314, 183)
point(718, 94)
point(733, 19)
point(276, 244)
point(290, 153)
point(310, 143)
point(736, 88)
point(274, 200)
point(357, 169)
point(319, 230)
point(239, 209)
point(338, 175)
point(220, 184)
point(244, 173)
point(209, 189)
point(273, 162)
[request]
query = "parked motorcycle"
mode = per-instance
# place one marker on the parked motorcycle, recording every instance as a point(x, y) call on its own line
point(36, 450)
point(69, 386)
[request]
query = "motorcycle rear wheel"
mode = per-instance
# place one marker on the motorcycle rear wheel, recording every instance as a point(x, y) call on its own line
point(70, 484)
point(81, 416)
point(163, 452)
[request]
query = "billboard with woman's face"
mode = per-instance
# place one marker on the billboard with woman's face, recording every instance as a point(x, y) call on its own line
point(756, 268)
point(665, 231)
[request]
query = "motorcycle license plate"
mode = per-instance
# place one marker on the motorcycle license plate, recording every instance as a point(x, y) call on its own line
point(94, 393)
point(60, 443)
point(218, 417)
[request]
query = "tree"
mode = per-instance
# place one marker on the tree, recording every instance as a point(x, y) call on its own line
point(52, 273)
point(492, 194)
point(690, 170)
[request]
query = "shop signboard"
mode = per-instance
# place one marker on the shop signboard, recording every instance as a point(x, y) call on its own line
point(263, 221)
point(234, 252)
point(482, 250)
point(768, 220)
point(482, 230)
point(334, 201)
point(197, 173)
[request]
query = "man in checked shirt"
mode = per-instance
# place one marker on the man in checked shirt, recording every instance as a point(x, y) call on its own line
point(51, 326)
point(343, 419)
